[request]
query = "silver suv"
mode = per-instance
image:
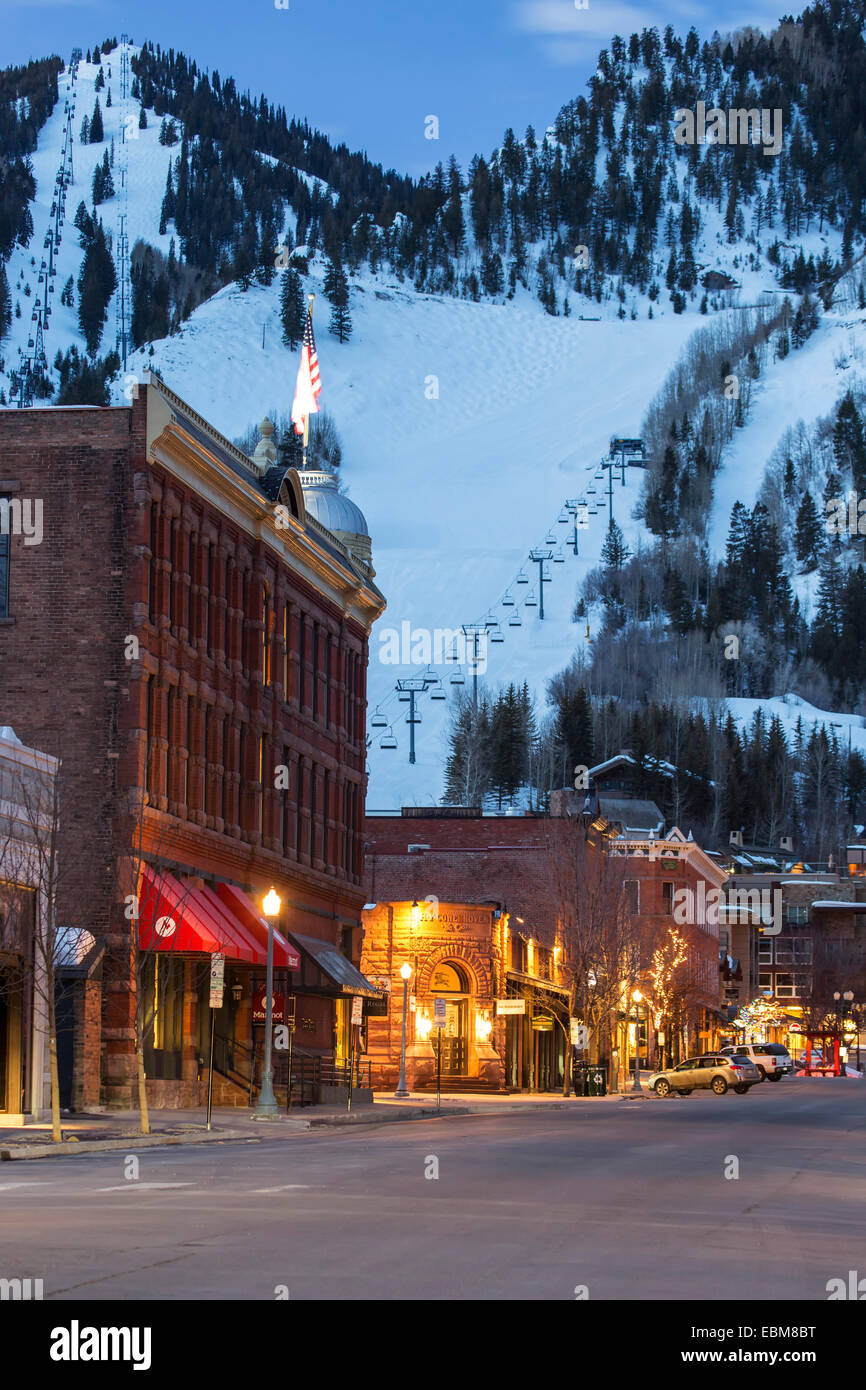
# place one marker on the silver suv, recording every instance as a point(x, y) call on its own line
point(712, 1072)
point(772, 1059)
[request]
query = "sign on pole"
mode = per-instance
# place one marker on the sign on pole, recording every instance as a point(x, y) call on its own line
point(260, 1007)
point(357, 1007)
point(217, 979)
point(579, 1034)
point(439, 1013)
point(511, 1006)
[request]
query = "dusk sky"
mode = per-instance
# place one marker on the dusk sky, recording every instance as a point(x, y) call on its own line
point(369, 73)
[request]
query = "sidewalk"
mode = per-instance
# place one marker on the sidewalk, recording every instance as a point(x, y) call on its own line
point(119, 1129)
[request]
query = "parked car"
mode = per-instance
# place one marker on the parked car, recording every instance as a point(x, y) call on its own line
point(772, 1059)
point(711, 1072)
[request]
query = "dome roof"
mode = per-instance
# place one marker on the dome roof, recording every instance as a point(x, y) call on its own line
point(330, 507)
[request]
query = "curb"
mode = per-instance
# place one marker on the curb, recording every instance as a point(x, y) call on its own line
point(72, 1148)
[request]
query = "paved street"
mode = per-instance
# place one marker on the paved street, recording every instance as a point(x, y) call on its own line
point(629, 1199)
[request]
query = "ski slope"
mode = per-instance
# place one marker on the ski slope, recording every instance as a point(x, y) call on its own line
point(465, 427)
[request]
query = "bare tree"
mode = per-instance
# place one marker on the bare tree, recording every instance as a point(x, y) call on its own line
point(29, 836)
point(599, 937)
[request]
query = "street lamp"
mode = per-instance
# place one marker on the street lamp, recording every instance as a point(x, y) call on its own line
point(401, 1093)
point(843, 998)
point(267, 1108)
point(637, 997)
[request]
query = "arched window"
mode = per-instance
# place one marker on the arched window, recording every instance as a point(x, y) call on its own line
point(267, 634)
point(447, 979)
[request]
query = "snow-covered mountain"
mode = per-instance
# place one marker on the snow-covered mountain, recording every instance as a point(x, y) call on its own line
point(465, 425)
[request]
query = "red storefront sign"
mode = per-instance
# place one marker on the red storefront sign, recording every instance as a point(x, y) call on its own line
point(278, 1007)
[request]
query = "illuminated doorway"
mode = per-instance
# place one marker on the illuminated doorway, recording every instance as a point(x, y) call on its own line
point(448, 983)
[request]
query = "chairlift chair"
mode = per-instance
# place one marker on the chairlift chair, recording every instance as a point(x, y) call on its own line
point(559, 557)
point(564, 517)
point(388, 740)
point(378, 721)
point(457, 677)
point(437, 693)
point(496, 635)
point(531, 601)
point(550, 539)
point(508, 601)
point(522, 578)
point(515, 620)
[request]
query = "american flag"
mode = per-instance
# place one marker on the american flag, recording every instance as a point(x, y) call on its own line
point(309, 385)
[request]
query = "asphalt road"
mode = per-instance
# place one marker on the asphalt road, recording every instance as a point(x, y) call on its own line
point(630, 1200)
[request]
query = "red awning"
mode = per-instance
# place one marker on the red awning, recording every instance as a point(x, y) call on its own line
point(174, 916)
point(242, 908)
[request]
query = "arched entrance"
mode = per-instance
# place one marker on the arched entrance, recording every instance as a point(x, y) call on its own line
point(448, 982)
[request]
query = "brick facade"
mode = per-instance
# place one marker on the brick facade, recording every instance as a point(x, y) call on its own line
point(174, 644)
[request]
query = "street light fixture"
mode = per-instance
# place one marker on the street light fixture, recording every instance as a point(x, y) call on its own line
point(267, 1108)
point(637, 997)
point(401, 1092)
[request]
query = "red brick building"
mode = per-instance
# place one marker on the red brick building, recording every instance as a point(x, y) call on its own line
point(467, 900)
point(191, 642)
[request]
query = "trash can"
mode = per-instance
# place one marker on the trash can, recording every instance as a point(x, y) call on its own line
point(579, 1077)
point(598, 1079)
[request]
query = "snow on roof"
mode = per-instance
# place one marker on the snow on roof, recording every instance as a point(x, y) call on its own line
point(841, 902)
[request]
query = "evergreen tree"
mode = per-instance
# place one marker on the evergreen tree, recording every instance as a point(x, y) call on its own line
point(809, 542)
point(573, 731)
point(336, 286)
point(849, 448)
point(97, 134)
point(826, 629)
point(292, 313)
point(142, 119)
point(5, 304)
point(614, 552)
point(103, 183)
point(96, 284)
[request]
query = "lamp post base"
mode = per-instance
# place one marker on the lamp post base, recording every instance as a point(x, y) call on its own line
point(402, 1095)
point(266, 1106)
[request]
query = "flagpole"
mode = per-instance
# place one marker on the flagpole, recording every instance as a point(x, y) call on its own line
point(310, 298)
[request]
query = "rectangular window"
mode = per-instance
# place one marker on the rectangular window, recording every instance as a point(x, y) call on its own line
point(765, 952)
point(148, 731)
point(261, 797)
point(187, 739)
point(225, 770)
point(284, 806)
point(151, 580)
point(315, 671)
point(327, 641)
point(312, 826)
point(324, 854)
point(632, 895)
point(190, 584)
point(668, 898)
point(302, 659)
point(267, 635)
point(797, 914)
point(207, 599)
point(286, 630)
point(172, 542)
point(299, 802)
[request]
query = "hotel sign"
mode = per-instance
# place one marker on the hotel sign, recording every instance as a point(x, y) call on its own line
point(511, 1006)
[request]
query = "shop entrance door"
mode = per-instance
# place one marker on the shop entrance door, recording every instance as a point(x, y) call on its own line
point(454, 1038)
